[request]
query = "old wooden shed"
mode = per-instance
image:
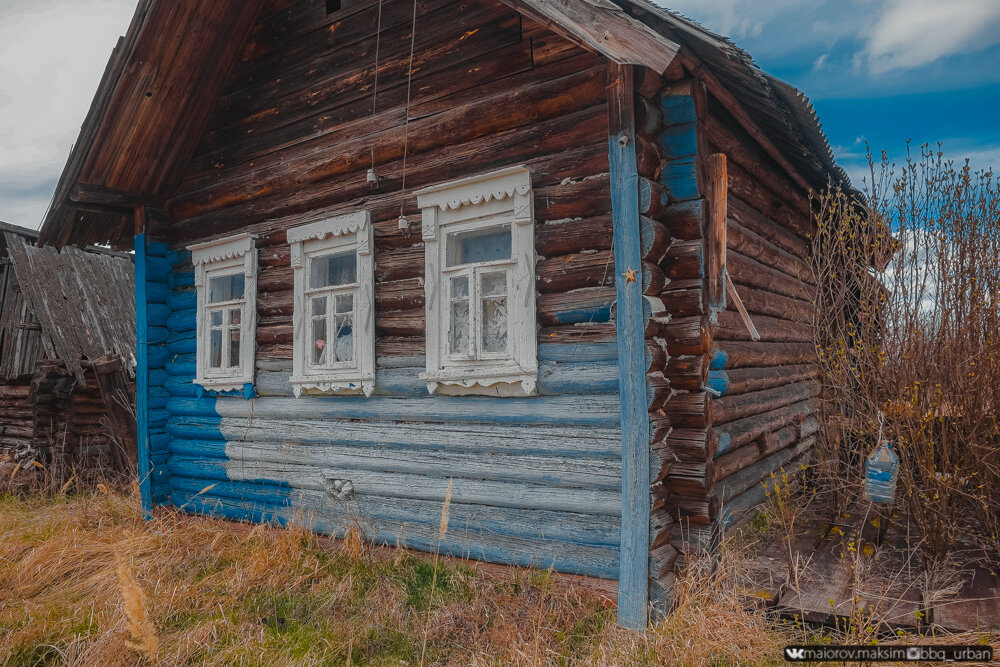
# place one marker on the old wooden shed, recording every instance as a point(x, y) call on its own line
point(67, 350)
point(387, 248)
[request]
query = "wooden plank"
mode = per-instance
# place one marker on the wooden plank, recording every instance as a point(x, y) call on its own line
point(602, 26)
point(633, 583)
point(142, 377)
point(716, 183)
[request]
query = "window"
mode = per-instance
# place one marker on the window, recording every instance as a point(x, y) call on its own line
point(480, 288)
point(226, 279)
point(334, 318)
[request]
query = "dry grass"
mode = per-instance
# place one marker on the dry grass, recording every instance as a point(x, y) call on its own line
point(85, 581)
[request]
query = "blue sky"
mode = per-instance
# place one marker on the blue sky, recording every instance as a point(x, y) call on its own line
point(884, 71)
point(881, 70)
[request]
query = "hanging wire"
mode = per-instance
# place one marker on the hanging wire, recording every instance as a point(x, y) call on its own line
point(371, 178)
point(403, 224)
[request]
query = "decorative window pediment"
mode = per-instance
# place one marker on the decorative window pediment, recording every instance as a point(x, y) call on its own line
point(226, 280)
point(334, 314)
point(479, 285)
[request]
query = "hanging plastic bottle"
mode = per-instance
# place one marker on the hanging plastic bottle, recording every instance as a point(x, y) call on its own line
point(881, 473)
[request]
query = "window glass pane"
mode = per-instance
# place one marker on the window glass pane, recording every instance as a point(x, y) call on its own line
point(333, 270)
point(226, 288)
point(319, 306)
point(318, 339)
point(235, 315)
point(494, 324)
point(459, 287)
point(215, 348)
point(344, 303)
point(479, 245)
point(234, 348)
point(493, 283)
point(458, 331)
point(344, 347)
point(216, 318)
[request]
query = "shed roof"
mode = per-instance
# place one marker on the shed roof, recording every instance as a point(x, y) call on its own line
point(176, 54)
point(83, 300)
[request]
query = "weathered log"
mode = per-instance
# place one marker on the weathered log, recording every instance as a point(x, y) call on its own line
point(683, 302)
point(743, 380)
point(653, 199)
point(567, 236)
point(739, 354)
point(729, 326)
point(731, 408)
point(761, 302)
point(748, 271)
point(687, 336)
point(689, 409)
point(691, 444)
point(684, 259)
point(685, 220)
point(688, 372)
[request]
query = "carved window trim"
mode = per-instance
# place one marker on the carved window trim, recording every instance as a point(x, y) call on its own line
point(226, 256)
point(482, 201)
point(341, 233)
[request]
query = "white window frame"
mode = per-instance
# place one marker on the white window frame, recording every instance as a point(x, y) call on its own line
point(335, 235)
point(479, 202)
point(226, 256)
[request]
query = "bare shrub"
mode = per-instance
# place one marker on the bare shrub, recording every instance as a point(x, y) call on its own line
point(908, 335)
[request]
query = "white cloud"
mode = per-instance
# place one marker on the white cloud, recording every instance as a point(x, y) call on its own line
point(52, 55)
point(912, 33)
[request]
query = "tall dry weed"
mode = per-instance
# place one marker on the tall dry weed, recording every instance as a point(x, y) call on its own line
point(140, 626)
point(908, 334)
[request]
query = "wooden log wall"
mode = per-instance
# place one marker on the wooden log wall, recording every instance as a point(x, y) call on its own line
point(65, 417)
point(535, 480)
point(739, 409)
point(16, 430)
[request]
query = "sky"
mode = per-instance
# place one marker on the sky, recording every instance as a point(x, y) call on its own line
point(882, 71)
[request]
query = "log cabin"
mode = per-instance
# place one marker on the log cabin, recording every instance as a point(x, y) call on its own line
point(550, 258)
point(67, 353)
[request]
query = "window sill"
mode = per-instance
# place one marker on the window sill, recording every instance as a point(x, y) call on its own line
point(462, 382)
point(333, 385)
point(243, 385)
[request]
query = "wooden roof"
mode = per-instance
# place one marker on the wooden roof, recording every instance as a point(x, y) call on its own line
point(158, 88)
point(83, 300)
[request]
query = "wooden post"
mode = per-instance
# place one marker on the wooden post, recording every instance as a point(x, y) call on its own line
point(715, 171)
point(633, 567)
point(142, 368)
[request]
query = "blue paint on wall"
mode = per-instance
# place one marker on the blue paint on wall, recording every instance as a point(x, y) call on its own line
point(631, 320)
point(142, 375)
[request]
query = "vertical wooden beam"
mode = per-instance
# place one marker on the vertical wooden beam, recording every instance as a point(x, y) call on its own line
point(715, 173)
point(142, 365)
point(633, 577)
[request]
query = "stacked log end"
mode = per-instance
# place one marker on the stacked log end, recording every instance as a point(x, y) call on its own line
point(732, 410)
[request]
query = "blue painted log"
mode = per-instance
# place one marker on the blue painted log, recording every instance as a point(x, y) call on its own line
point(156, 335)
point(157, 356)
point(181, 279)
point(500, 549)
point(718, 361)
point(182, 386)
point(558, 410)
point(560, 471)
point(178, 257)
point(182, 320)
point(472, 520)
point(181, 343)
point(577, 351)
point(156, 249)
point(718, 381)
point(157, 377)
point(404, 485)
point(182, 300)
point(158, 292)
